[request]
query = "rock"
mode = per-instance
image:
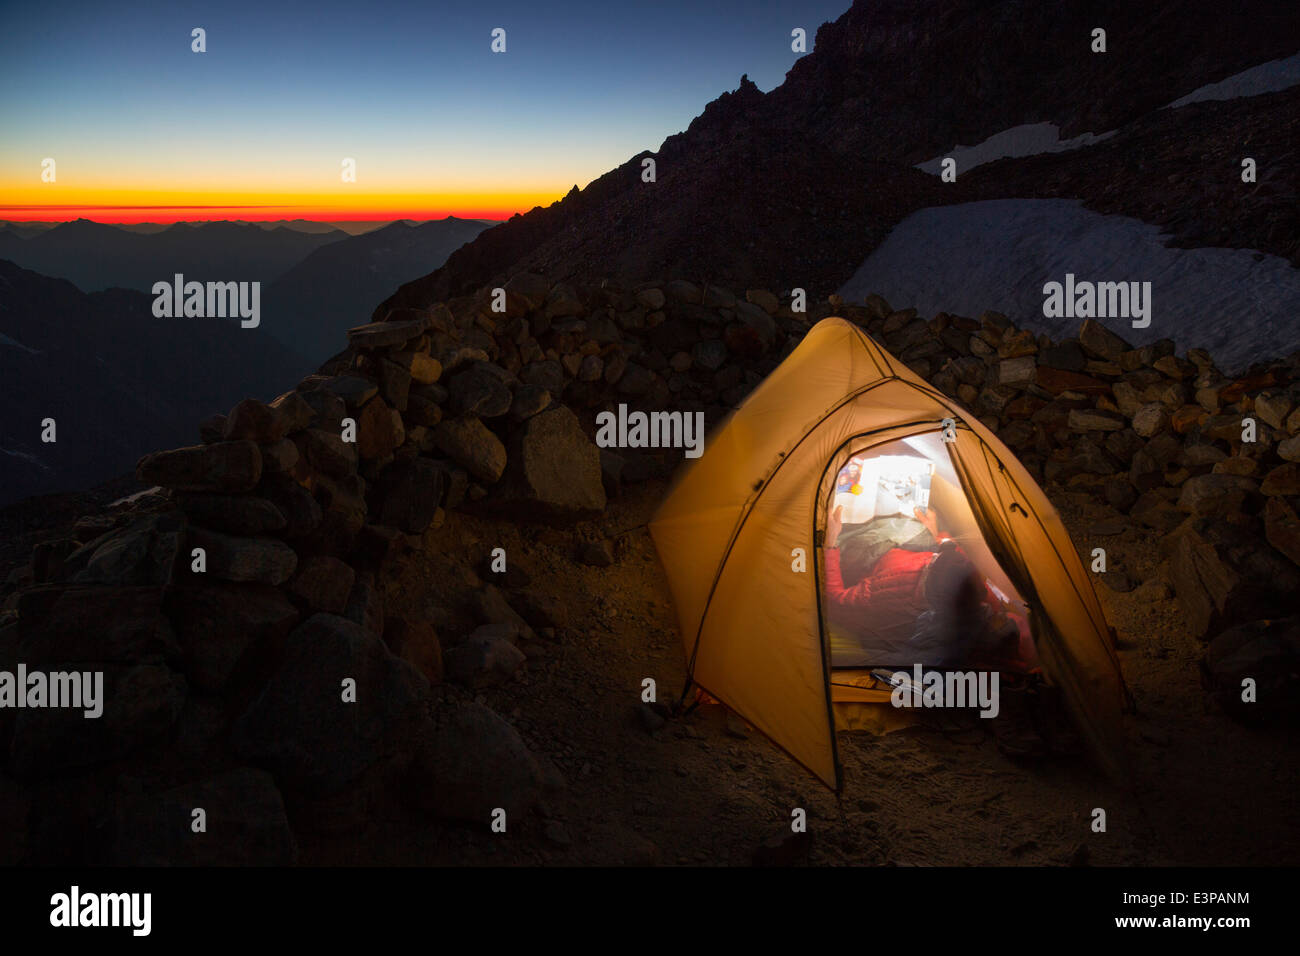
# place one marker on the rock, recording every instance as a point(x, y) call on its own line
point(1120, 494)
point(469, 443)
point(93, 625)
point(636, 380)
point(483, 659)
point(353, 389)
point(1013, 371)
point(252, 420)
point(1289, 450)
point(528, 401)
point(379, 335)
point(1151, 591)
point(411, 493)
point(144, 552)
point(365, 606)
point(555, 468)
point(323, 583)
point(683, 291)
point(1268, 653)
point(242, 805)
point(216, 624)
point(475, 763)
point(394, 384)
point(709, 354)
point(261, 560)
point(1118, 580)
point(1150, 419)
point(652, 299)
point(1215, 494)
point(493, 608)
point(327, 452)
point(303, 730)
point(1273, 409)
point(1236, 465)
point(1222, 576)
point(281, 456)
point(379, 430)
point(1282, 528)
point(235, 514)
point(1282, 480)
point(597, 554)
point(548, 374)
point(416, 642)
point(479, 391)
point(293, 411)
point(764, 300)
point(302, 513)
point(542, 610)
point(1093, 419)
point(1100, 341)
point(227, 466)
point(140, 705)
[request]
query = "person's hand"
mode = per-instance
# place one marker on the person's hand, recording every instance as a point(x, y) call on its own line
point(833, 525)
point(929, 519)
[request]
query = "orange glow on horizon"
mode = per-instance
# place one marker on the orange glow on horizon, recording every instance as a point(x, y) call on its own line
point(127, 215)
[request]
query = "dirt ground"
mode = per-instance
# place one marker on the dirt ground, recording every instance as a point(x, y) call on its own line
point(705, 790)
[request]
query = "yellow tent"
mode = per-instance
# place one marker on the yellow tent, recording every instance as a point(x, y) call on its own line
point(733, 528)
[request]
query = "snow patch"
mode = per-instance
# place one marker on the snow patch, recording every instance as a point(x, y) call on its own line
point(1031, 139)
point(1266, 78)
point(1238, 304)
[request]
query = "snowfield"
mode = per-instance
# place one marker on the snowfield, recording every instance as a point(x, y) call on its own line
point(1241, 305)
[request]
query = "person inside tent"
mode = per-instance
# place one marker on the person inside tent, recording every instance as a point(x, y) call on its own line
point(923, 601)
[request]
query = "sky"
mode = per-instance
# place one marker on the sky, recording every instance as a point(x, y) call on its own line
point(142, 128)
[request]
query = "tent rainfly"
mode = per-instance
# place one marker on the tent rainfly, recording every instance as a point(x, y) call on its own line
point(732, 526)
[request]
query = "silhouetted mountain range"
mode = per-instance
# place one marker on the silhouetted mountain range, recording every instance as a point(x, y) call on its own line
point(94, 256)
point(796, 186)
point(117, 381)
point(335, 287)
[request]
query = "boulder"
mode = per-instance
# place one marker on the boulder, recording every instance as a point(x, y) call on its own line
point(380, 335)
point(1100, 341)
point(140, 705)
point(416, 642)
point(1282, 480)
point(483, 659)
point(338, 705)
point(226, 466)
point(244, 812)
point(1267, 652)
point(479, 391)
point(1282, 527)
point(469, 443)
point(261, 560)
point(235, 514)
point(1222, 576)
point(1215, 494)
point(144, 552)
point(252, 420)
point(216, 624)
point(555, 468)
point(410, 494)
point(379, 430)
point(323, 583)
point(475, 764)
